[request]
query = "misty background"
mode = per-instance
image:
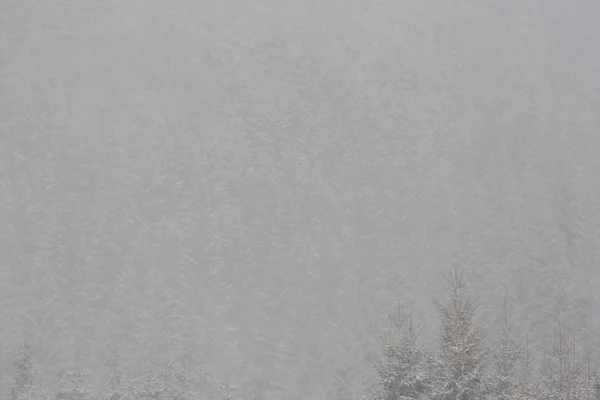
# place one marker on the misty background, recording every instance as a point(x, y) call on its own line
point(250, 186)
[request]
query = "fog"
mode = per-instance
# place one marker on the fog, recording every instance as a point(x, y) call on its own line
point(249, 187)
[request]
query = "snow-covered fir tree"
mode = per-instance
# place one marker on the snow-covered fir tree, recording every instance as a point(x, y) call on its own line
point(561, 377)
point(526, 388)
point(463, 359)
point(588, 381)
point(502, 384)
point(406, 371)
point(74, 382)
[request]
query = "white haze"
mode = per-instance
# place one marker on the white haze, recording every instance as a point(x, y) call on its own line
point(262, 181)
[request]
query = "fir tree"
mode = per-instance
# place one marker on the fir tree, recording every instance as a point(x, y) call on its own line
point(561, 375)
point(462, 357)
point(525, 388)
point(73, 384)
point(503, 380)
point(406, 372)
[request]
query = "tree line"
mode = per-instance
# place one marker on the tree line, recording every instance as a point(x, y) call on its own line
point(462, 368)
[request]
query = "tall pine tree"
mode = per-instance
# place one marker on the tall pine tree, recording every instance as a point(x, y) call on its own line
point(503, 380)
point(406, 372)
point(463, 359)
point(561, 374)
point(74, 383)
point(526, 388)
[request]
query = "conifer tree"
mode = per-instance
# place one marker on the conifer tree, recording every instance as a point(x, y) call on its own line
point(74, 384)
point(463, 359)
point(503, 382)
point(406, 372)
point(561, 375)
point(526, 388)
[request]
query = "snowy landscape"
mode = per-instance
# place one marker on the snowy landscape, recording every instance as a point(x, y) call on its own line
point(299, 199)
